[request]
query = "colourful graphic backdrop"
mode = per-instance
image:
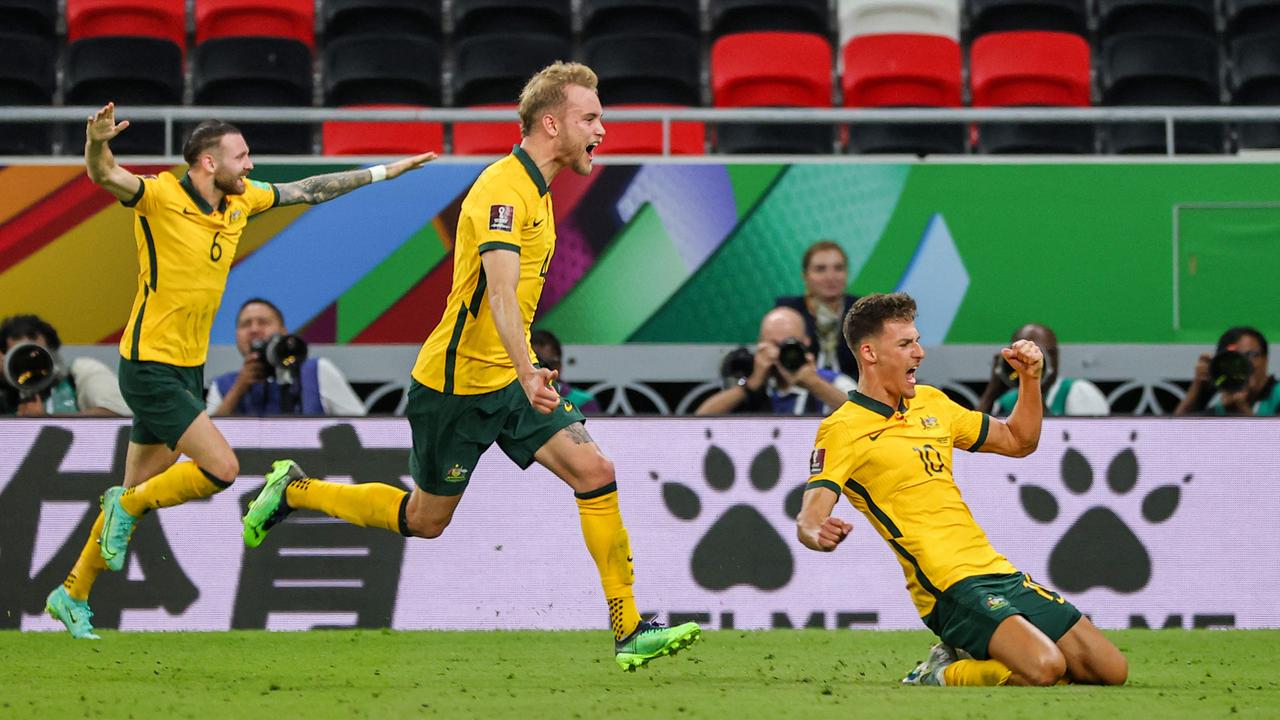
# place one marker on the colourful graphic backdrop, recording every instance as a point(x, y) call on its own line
point(1106, 253)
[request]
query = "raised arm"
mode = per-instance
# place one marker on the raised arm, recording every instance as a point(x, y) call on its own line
point(99, 160)
point(815, 527)
point(322, 188)
point(502, 271)
point(1019, 434)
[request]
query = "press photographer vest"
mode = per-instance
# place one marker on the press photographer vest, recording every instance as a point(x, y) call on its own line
point(263, 398)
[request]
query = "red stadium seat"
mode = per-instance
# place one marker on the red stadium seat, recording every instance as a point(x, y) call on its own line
point(487, 138)
point(645, 138)
point(1029, 68)
point(293, 19)
point(901, 70)
point(381, 138)
point(164, 19)
point(761, 69)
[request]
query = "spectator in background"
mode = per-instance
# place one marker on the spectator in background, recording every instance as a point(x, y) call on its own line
point(1218, 388)
point(768, 386)
point(1062, 395)
point(321, 388)
point(825, 269)
point(84, 387)
point(550, 355)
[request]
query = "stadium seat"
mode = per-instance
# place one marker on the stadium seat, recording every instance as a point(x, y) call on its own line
point(1172, 70)
point(902, 70)
point(508, 17)
point(1255, 80)
point(367, 69)
point(258, 72)
point(34, 18)
point(381, 17)
point(612, 17)
point(898, 17)
point(293, 19)
point(129, 71)
point(739, 16)
point(381, 138)
point(26, 78)
point(492, 69)
point(645, 138)
point(987, 16)
point(1031, 68)
point(763, 69)
point(1251, 17)
point(1156, 17)
point(166, 19)
point(487, 138)
point(652, 69)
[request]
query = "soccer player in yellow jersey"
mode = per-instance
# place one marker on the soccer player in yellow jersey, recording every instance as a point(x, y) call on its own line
point(186, 232)
point(888, 450)
point(477, 380)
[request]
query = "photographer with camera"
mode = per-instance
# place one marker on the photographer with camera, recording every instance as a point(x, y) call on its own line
point(1234, 380)
point(1062, 395)
point(277, 377)
point(36, 381)
point(780, 378)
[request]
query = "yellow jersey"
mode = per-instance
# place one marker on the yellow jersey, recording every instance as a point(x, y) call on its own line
point(185, 249)
point(508, 209)
point(894, 466)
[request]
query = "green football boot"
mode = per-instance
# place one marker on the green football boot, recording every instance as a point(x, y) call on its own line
point(73, 613)
point(652, 639)
point(269, 508)
point(117, 529)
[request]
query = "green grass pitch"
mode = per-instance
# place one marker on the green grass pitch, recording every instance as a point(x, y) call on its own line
point(729, 674)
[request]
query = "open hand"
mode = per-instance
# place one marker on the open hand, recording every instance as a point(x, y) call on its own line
point(102, 125)
point(404, 165)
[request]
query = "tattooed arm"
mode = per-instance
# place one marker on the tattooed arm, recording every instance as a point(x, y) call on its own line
point(321, 188)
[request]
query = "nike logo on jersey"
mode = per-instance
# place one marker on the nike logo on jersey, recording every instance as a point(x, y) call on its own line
point(876, 436)
point(536, 223)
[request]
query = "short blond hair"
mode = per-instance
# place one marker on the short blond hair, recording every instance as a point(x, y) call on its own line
point(545, 90)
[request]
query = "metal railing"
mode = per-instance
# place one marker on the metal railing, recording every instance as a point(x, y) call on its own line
point(1168, 116)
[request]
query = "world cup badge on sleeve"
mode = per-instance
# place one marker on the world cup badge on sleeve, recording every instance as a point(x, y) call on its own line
point(500, 217)
point(817, 460)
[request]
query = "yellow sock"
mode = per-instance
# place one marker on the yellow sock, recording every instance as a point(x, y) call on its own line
point(180, 483)
point(79, 582)
point(981, 673)
point(371, 504)
point(609, 546)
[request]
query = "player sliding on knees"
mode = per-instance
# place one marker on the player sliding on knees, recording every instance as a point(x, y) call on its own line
point(186, 231)
point(888, 450)
point(476, 380)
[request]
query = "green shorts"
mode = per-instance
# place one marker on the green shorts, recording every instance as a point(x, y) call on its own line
point(165, 399)
point(968, 613)
point(451, 432)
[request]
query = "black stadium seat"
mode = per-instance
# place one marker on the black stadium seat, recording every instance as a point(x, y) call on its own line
point(258, 72)
point(507, 17)
point(1255, 80)
point(381, 17)
point(372, 69)
point(26, 78)
point(129, 71)
point(646, 68)
point(736, 16)
point(1172, 70)
point(1156, 17)
point(492, 69)
point(613, 17)
point(36, 18)
point(1251, 17)
point(988, 16)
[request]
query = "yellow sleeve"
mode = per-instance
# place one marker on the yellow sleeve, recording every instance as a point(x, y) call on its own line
point(260, 195)
point(147, 199)
point(968, 427)
point(832, 461)
point(497, 219)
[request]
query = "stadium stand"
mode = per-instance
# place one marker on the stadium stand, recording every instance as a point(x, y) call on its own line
point(342, 18)
point(26, 78)
point(1031, 68)
point(490, 71)
point(129, 71)
point(902, 70)
point(989, 16)
point(895, 17)
point(622, 17)
point(369, 70)
point(741, 16)
point(32, 18)
point(472, 18)
point(165, 19)
point(1156, 17)
point(293, 19)
point(1255, 80)
point(258, 72)
point(1244, 18)
point(1161, 70)
point(651, 69)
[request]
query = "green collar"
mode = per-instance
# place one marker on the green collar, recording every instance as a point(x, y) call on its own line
point(530, 167)
point(205, 208)
point(874, 405)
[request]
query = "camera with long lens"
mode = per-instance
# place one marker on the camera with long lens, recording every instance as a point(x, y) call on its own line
point(285, 353)
point(792, 354)
point(1229, 371)
point(30, 369)
point(738, 363)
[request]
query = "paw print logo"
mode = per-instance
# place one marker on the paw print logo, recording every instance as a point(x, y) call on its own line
point(741, 547)
point(1100, 549)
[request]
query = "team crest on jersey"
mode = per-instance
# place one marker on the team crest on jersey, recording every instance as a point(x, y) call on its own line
point(457, 473)
point(995, 602)
point(235, 215)
point(817, 460)
point(500, 217)
point(929, 423)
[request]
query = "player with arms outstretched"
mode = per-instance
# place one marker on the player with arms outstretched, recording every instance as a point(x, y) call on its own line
point(888, 450)
point(186, 230)
point(476, 381)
